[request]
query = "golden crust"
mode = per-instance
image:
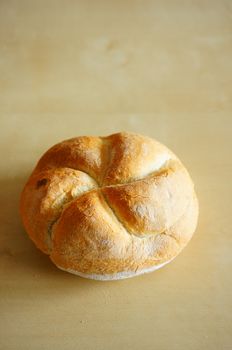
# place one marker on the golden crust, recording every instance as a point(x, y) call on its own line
point(109, 205)
point(44, 196)
point(153, 204)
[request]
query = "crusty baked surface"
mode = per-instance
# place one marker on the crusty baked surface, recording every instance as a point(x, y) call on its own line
point(105, 206)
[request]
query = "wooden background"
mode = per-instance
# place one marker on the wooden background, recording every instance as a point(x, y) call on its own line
point(161, 68)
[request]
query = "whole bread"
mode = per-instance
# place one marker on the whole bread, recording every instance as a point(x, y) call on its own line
point(109, 207)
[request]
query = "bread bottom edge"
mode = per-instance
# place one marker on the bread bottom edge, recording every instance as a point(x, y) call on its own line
point(115, 276)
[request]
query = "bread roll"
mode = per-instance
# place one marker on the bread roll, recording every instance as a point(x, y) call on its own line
point(111, 207)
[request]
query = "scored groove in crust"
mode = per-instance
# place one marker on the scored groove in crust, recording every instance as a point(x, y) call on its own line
point(106, 146)
point(65, 203)
point(157, 172)
point(113, 214)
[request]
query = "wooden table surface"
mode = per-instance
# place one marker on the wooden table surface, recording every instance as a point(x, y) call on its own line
point(161, 68)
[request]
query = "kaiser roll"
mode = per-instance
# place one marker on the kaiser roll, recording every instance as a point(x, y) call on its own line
point(109, 207)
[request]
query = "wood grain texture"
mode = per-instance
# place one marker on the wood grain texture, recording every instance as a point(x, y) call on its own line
point(160, 68)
